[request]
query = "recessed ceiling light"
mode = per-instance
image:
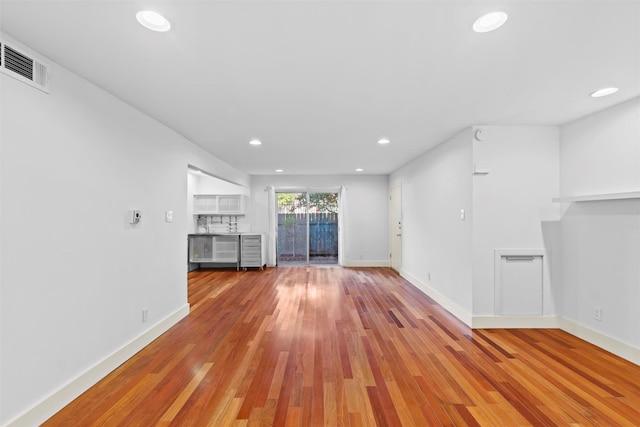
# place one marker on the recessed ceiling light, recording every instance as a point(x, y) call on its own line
point(153, 20)
point(383, 141)
point(359, 170)
point(489, 22)
point(604, 92)
point(279, 170)
point(255, 142)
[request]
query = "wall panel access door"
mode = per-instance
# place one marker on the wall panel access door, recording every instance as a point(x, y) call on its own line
point(519, 286)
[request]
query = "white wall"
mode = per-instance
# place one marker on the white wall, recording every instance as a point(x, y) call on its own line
point(512, 202)
point(210, 185)
point(600, 153)
point(601, 240)
point(74, 274)
point(366, 211)
point(436, 243)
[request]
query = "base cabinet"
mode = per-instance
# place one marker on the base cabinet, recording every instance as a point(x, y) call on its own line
point(214, 249)
point(253, 250)
point(243, 250)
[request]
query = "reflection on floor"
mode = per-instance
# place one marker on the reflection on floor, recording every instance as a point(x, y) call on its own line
point(298, 260)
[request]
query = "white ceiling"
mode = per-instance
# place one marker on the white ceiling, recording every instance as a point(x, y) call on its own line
point(319, 82)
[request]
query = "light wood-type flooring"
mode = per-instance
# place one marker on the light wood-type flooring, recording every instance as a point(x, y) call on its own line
point(314, 346)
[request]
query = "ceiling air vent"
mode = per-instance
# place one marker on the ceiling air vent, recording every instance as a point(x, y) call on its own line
point(24, 66)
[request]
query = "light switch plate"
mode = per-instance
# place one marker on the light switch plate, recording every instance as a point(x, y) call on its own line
point(168, 216)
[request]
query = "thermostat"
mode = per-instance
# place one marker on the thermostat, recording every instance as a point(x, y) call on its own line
point(134, 216)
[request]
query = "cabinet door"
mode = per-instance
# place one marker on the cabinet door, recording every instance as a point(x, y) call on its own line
point(226, 249)
point(200, 248)
point(229, 204)
point(205, 203)
point(219, 204)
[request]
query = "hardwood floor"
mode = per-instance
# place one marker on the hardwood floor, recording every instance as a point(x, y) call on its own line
point(307, 346)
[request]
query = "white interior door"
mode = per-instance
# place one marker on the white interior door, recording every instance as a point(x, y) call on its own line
point(395, 227)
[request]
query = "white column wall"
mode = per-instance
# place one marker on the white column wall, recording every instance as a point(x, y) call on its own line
point(512, 202)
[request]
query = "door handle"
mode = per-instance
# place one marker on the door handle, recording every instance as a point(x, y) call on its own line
point(398, 235)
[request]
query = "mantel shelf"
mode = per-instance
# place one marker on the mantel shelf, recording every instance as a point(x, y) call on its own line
point(596, 197)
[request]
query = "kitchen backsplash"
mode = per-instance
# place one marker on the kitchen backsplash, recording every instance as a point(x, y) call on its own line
point(221, 224)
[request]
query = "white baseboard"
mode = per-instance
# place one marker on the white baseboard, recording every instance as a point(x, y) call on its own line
point(449, 305)
point(57, 400)
point(365, 263)
point(615, 346)
point(612, 345)
point(514, 322)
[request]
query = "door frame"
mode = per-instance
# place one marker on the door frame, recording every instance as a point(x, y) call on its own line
point(395, 230)
point(307, 192)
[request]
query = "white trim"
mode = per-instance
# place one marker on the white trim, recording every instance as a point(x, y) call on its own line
point(294, 189)
point(366, 263)
point(392, 230)
point(57, 400)
point(449, 305)
point(273, 226)
point(342, 209)
point(619, 348)
point(612, 345)
point(515, 322)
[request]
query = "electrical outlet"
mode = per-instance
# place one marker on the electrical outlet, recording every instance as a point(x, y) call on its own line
point(597, 313)
point(145, 315)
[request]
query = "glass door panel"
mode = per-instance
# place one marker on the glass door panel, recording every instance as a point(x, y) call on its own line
point(293, 242)
point(323, 228)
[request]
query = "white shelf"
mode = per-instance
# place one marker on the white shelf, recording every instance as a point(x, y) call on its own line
point(596, 197)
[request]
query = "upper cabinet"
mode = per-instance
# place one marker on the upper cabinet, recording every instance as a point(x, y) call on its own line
point(219, 204)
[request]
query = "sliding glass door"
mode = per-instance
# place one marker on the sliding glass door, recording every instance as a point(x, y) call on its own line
point(307, 228)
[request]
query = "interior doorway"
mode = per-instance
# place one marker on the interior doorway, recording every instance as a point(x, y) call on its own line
point(395, 227)
point(307, 228)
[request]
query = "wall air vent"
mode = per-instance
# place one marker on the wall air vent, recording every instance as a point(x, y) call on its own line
point(24, 66)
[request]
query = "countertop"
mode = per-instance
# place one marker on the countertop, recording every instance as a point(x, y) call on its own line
point(225, 234)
